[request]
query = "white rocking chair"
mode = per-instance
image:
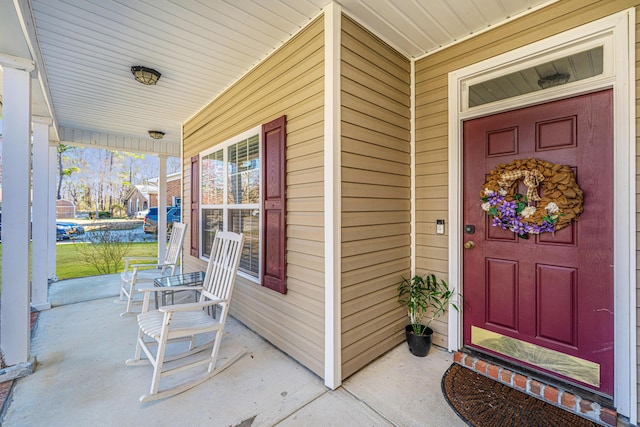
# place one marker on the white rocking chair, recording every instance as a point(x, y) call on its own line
point(184, 322)
point(135, 274)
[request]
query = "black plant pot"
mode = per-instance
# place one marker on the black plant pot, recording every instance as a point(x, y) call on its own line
point(419, 345)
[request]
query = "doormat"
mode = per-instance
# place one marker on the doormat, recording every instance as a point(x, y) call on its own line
point(483, 402)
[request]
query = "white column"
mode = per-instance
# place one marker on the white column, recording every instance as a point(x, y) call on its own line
point(40, 215)
point(332, 197)
point(51, 211)
point(162, 208)
point(16, 168)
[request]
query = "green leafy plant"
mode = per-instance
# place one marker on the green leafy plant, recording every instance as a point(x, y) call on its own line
point(424, 297)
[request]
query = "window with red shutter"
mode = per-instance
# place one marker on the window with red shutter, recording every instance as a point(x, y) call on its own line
point(231, 177)
point(230, 182)
point(274, 205)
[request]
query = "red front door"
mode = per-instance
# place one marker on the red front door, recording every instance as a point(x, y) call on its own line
point(545, 302)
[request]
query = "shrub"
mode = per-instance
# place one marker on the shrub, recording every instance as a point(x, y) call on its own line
point(101, 215)
point(104, 248)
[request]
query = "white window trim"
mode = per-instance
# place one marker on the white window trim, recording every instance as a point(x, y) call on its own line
point(223, 146)
point(619, 74)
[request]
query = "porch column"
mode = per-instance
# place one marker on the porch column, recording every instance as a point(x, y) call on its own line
point(16, 172)
point(52, 197)
point(162, 207)
point(332, 199)
point(40, 215)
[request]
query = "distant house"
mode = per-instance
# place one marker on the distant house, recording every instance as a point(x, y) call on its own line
point(144, 196)
point(174, 184)
point(140, 197)
point(65, 209)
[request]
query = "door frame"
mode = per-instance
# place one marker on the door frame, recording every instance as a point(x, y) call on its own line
point(617, 34)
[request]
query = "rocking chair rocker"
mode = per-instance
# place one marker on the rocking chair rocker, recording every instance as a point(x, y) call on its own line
point(184, 322)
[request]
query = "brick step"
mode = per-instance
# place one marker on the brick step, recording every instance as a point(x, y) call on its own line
point(565, 399)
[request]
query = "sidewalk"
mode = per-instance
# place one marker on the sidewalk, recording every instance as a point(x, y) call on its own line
point(81, 379)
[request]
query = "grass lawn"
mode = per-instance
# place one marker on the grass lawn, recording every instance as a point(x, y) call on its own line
point(68, 266)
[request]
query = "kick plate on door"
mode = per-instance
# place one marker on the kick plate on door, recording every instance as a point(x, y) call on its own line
point(551, 360)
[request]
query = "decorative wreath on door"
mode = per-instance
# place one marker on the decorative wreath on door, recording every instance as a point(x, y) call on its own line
point(560, 203)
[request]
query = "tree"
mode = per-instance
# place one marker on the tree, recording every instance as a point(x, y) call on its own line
point(132, 163)
point(62, 172)
point(104, 176)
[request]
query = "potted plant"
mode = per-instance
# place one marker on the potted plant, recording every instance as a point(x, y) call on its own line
point(425, 298)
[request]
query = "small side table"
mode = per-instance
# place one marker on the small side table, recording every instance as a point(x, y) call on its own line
point(188, 279)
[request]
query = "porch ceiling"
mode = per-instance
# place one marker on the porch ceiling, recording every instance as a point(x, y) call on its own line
point(84, 51)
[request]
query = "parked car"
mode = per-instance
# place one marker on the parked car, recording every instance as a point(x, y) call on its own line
point(75, 228)
point(62, 232)
point(141, 214)
point(68, 230)
point(151, 219)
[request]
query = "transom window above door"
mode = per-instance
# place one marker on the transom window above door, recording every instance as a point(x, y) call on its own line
point(568, 69)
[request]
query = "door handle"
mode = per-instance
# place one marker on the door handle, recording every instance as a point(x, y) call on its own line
point(469, 244)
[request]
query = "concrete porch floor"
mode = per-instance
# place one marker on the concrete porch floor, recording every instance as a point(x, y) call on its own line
point(81, 378)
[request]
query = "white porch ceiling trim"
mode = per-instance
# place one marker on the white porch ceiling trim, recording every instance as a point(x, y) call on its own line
point(91, 139)
point(16, 62)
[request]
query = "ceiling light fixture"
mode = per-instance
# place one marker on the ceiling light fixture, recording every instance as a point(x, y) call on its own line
point(146, 76)
point(553, 80)
point(156, 134)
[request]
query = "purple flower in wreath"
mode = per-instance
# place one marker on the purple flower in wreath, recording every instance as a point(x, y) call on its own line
point(512, 215)
point(518, 227)
point(495, 199)
point(508, 209)
point(547, 227)
point(533, 228)
point(497, 222)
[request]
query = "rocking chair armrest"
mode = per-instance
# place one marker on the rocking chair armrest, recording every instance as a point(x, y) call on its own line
point(137, 266)
point(191, 306)
point(141, 258)
point(128, 260)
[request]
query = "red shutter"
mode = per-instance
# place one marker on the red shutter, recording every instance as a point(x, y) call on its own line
point(195, 204)
point(274, 205)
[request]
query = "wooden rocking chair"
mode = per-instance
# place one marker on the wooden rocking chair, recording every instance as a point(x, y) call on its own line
point(184, 322)
point(135, 274)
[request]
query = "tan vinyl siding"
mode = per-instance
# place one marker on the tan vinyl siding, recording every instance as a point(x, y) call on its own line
point(375, 94)
point(432, 107)
point(289, 82)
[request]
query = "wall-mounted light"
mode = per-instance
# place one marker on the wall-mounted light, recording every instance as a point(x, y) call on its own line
point(553, 80)
point(156, 134)
point(146, 76)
